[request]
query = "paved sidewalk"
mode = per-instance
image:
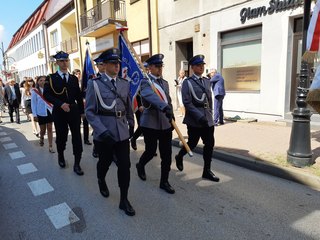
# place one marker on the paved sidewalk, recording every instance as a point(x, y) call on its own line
point(260, 146)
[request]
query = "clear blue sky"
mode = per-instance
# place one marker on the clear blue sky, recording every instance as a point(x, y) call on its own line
point(13, 14)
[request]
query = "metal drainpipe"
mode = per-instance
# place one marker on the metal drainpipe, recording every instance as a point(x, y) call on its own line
point(149, 28)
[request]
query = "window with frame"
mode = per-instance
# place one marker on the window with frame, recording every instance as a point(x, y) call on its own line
point(54, 38)
point(241, 59)
point(142, 49)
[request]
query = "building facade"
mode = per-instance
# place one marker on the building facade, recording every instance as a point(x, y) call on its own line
point(256, 45)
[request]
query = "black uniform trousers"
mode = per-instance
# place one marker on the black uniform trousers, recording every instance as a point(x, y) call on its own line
point(138, 131)
point(62, 120)
point(122, 152)
point(207, 136)
point(14, 107)
point(151, 137)
point(85, 129)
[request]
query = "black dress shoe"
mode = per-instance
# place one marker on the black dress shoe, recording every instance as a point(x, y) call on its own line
point(77, 169)
point(141, 172)
point(127, 208)
point(87, 142)
point(208, 174)
point(103, 188)
point(167, 187)
point(133, 144)
point(61, 161)
point(179, 162)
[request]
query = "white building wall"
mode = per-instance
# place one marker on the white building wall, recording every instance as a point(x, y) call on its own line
point(178, 23)
point(31, 65)
point(269, 103)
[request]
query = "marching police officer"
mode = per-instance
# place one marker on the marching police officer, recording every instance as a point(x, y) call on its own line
point(155, 121)
point(109, 112)
point(197, 99)
point(63, 91)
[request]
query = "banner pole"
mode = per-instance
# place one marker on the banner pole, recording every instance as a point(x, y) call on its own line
point(185, 144)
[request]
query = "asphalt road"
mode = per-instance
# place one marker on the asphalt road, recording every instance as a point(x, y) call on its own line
point(38, 200)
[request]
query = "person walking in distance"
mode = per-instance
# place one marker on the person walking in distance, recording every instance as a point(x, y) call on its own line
point(179, 82)
point(109, 112)
point(197, 99)
point(62, 90)
point(41, 111)
point(217, 82)
point(155, 121)
point(12, 96)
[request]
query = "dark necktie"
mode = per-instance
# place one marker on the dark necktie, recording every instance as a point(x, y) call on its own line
point(64, 78)
point(114, 83)
point(201, 81)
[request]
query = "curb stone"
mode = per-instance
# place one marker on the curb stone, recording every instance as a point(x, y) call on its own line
point(262, 166)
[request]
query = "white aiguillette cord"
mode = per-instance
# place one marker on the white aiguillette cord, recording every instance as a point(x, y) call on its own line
point(97, 91)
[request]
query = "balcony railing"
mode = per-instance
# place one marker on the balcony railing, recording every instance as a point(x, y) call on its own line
point(70, 45)
point(109, 9)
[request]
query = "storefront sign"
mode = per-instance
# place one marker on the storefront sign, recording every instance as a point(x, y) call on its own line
point(275, 6)
point(242, 78)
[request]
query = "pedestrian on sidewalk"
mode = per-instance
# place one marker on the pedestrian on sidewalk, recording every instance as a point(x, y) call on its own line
point(41, 112)
point(109, 112)
point(197, 99)
point(156, 121)
point(179, 82)
point(26, 104)
point(12, 96)
point(217, 83)
point(62, 90)
point(2, 101)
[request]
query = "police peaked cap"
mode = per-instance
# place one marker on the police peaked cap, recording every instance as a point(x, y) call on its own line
point(110, 55)
point(155, 59)
point(145, 64)
point(195, 60)
point(61, 56)
point(98, 60)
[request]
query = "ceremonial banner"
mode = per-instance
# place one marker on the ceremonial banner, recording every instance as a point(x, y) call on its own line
point(130, 71)
point(313, 35)
point(88, 71)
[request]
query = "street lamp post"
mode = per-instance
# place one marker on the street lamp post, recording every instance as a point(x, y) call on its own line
point(4, 61)
point(299, 153)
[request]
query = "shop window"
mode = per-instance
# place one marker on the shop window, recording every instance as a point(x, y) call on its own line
point(241, 59)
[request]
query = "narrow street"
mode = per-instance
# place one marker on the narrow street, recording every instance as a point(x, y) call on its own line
point(41, 201)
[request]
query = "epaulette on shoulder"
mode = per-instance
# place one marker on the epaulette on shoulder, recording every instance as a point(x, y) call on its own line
point(48, 78)
point(124, 79)
point(96, 78)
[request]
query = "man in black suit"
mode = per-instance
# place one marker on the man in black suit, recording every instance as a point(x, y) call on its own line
point(12, 96)
point(63, 91)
